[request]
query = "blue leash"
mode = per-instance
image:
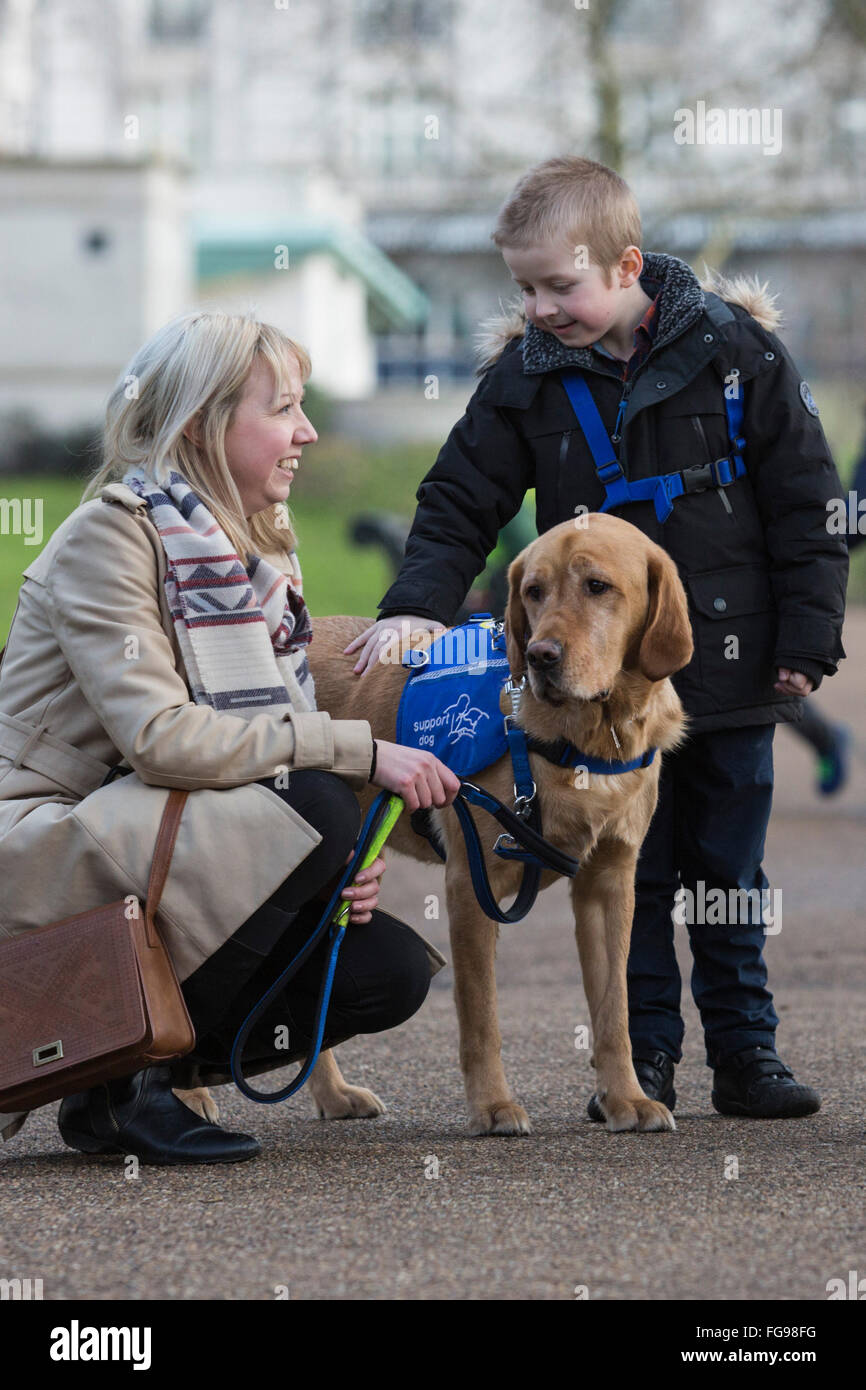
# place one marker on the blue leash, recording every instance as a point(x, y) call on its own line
point(377, 820)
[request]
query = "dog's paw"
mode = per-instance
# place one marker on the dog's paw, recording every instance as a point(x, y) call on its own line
point(349, 1103)
point(643, 1115)
point(506, 1117)
point(200, 1101)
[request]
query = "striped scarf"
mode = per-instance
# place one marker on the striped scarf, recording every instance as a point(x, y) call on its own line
point(242, 630)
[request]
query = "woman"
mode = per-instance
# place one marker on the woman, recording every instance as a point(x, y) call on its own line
point(143, 642)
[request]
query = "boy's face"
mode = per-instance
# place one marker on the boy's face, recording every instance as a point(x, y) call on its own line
point(576, 306)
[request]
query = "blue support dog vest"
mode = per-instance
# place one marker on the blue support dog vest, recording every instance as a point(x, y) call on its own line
point(450, 702)
point(662, 488)
point(450, 706)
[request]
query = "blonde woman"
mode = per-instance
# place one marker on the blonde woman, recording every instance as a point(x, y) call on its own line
point(160, 641)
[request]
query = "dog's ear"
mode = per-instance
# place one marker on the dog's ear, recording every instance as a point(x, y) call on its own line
point(666, 645)
point(516, 627)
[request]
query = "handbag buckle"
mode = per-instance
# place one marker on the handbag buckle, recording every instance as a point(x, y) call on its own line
point(48, 1052)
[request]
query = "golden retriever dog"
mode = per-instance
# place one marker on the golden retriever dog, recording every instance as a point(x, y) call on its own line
point(597, 620)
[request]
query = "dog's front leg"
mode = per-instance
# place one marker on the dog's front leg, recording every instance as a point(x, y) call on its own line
point(602, 895)
point(333, 1097)
point(492, 1109)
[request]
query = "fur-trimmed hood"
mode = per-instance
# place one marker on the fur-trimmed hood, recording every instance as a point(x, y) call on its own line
point(681, 303)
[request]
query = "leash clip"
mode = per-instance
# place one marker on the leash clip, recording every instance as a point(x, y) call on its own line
point(514, 689)
point(523, 804)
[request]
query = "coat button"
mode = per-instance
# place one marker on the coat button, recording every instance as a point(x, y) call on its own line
point(708, 337)
point(769, 357)
point(661, 386)
point(719, 605)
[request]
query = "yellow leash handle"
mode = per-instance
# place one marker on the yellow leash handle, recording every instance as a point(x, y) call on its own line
point(392, 814)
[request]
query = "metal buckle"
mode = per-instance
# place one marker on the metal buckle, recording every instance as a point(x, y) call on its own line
point(522, 804)
point(513, 844)
point(48, 1052)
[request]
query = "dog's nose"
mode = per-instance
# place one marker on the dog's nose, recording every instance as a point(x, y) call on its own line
point(544, 654)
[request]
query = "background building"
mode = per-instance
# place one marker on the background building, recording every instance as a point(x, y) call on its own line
point(338, 164)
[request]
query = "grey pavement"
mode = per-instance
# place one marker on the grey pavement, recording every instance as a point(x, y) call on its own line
point(346, 1210)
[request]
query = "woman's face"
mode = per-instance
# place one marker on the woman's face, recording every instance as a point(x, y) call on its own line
point(263, 442)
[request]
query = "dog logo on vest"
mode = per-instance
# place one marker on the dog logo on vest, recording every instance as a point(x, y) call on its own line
point(465, 719)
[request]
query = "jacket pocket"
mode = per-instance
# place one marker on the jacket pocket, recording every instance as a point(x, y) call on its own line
point(735, 623)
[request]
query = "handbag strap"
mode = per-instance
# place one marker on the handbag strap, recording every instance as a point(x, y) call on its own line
point(165, 840)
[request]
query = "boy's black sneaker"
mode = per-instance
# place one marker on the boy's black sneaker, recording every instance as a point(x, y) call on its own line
point(655, 1072)
point(755, 1083)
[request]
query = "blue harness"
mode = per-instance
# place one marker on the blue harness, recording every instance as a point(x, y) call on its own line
point(450, 705)
point(662, 488)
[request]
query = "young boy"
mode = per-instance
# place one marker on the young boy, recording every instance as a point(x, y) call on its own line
point(666, 365)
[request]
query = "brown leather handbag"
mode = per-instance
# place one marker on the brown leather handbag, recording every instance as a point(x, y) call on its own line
point(93, 996)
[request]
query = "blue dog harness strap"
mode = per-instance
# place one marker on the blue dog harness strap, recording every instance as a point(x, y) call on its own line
point(565, 754)
point(662, 489)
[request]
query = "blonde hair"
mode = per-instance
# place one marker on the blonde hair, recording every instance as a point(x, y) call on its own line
point(195, 368)
point(573, 200)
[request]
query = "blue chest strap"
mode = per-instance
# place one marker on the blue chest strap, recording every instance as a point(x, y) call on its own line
point(662, 488)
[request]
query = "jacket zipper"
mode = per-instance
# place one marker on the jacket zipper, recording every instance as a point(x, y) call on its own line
point(620, 413)
point(699, 426)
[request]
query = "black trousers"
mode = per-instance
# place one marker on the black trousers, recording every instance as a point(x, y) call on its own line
point(382, 973)
point(707, 833)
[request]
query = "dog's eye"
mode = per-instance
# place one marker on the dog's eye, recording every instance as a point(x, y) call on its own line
point(596, 586)
point(533, 592)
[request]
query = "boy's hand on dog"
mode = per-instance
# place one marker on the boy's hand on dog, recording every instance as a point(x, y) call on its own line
point(381, 635)
point(415, 775)
point(792, 682)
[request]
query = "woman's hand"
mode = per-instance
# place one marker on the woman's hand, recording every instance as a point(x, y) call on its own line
point(363, 892)
point(382, 633)
point(415, 775)
point(364, 897)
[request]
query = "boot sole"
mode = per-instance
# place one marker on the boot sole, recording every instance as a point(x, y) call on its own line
point(742, 1112)
point(84, 1143)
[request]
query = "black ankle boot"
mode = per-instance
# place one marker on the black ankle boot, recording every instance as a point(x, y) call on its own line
point(655, 1072)
point(141, 1115)
point(756, 1084)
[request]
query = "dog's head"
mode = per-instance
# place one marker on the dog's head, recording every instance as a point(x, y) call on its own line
point(589, 600)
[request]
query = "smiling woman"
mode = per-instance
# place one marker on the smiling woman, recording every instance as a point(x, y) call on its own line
point(162, 633)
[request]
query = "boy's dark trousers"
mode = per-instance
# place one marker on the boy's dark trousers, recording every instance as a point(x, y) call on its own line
point(710, 823)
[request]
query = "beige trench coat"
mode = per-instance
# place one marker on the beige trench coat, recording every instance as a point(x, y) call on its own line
point(93, 676)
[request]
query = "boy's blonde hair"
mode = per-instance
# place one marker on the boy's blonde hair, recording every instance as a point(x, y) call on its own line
point(195, 368)
point(575, 201)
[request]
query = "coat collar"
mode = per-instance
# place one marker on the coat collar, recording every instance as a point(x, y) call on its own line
point(500, 336)
point(119, 492)
point(681, 305)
